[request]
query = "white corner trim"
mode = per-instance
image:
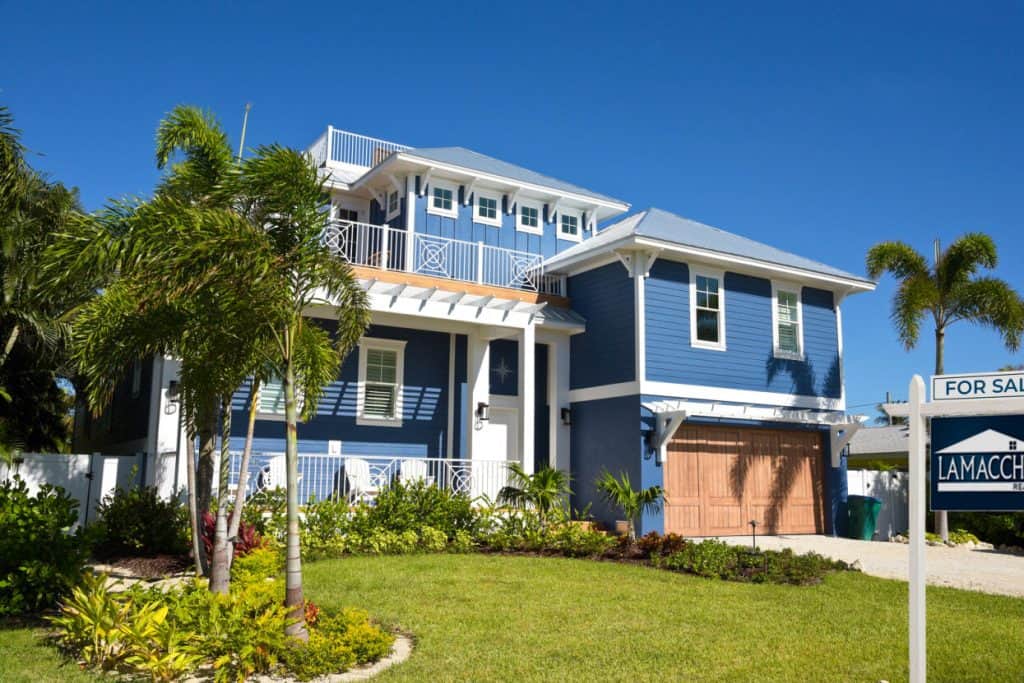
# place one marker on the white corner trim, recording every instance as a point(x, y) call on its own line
point(640, 325)
point(437, 183)
point(479, 194)
point(450, 441)
point(696, 343)
point(529, 203)
point(397, 345)
point(705, 393)
point(793, 288)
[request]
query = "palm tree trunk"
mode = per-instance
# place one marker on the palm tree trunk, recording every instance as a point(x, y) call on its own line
point(243, 468)
point(206, 416)
point(9, 344)
point(293, 564)
point(190, 475)
point(941, 518)
point(220, 566)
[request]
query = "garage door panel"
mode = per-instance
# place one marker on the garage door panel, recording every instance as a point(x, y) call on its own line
point(719, 478)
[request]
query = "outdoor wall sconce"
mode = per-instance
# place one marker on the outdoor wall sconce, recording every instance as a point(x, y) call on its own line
point(173, 391)
point(567, 417)
point(483, 412)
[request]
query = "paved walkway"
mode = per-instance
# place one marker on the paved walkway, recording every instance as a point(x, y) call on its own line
point(980, 570)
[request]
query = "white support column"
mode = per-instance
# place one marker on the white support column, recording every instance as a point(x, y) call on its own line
point(640, 332)
point(410, 222)
point(479, 377)
point(527, 395)
point(558, 398)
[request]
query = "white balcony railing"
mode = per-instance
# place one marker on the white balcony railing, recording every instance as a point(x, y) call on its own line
point(341, 146)
point(338, 477)
point(380, 246)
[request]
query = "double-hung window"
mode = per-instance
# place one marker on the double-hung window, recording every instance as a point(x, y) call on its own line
point(707, 310)
point(569, 225)
point(394, 204)
point(787, 321)
point(487, 209)
point(528, 217)
point(381, 363)
point(443, 199)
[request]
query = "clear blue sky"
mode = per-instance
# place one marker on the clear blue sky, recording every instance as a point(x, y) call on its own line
point(820, 130)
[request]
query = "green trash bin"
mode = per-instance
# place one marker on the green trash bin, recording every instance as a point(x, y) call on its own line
point(863, 516)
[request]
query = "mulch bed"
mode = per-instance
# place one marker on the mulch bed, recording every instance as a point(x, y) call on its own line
point(149, 568)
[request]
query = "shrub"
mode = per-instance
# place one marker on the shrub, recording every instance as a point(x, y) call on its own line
point(707, 558)
point(961, 536)
point(717, 559)
point(138, 521)
point(403, 507)
point(324, 527)
point(40, 558)
point(432, 540)
point(248, 538)
point(462, 543)
point(572, 540)
point(260, 564)
point(997, 528)
point(164, 636)
point(266, 511)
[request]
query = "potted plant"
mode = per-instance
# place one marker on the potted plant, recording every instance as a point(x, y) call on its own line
point(633, 503)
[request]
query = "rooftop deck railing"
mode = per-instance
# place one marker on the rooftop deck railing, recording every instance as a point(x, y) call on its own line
point(341, 146)
point(387, 248)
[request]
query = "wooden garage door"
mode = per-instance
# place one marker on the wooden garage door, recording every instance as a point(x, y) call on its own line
point(717, 479)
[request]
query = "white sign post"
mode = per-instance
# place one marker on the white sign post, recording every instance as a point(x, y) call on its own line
point(982, 394)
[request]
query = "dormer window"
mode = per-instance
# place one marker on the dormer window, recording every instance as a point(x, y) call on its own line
point(394, 205)
point(528, 217)
point(569, 223)
point(442, 200)
point(486, 209)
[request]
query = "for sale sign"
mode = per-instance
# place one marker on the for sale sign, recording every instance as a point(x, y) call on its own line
point(977, 463)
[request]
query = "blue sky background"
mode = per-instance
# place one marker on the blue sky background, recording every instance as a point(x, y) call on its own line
point(821, 130)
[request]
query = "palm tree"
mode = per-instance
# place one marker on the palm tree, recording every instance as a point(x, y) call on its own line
point(543, 491)
point(633, 503)
point(948, 290)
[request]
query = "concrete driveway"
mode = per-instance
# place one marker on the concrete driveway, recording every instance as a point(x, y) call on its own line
point(979, 570)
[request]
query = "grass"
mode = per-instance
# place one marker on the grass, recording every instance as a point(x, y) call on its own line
point(495, 618)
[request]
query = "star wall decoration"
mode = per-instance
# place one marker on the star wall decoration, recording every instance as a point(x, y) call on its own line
point(502, 370)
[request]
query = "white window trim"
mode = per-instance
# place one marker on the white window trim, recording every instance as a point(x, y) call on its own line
point(477, 218)
point(443, 185)
point(300, 401)
point(397, 345)
point(578, 237)
point(792, 288)
point(398, 204)
point(694, 341)
point(520, 227)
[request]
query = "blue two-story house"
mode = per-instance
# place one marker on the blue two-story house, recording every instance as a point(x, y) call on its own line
point(517, 317)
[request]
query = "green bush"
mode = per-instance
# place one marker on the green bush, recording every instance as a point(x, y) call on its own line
point(410, 507)
point(40, 558)
point(164, 636)
point(997, 528)
point(267, 512)
point(573, 540)
point(139, 521)
point(717, 559)
point(259, 565)
point(432, 540)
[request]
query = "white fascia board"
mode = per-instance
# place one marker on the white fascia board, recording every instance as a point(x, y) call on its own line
point(613, 207)
point(672, 390)
point(731, 262)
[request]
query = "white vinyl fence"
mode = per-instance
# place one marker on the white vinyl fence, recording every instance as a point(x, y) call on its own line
point(891, 488)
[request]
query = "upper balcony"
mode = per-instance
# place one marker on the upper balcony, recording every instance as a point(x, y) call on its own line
point(350, 155)
point(395, 249)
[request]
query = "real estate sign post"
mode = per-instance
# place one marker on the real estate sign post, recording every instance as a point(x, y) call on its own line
point(977, 463)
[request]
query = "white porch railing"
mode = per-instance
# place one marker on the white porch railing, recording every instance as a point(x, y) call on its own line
point(387, 248)
point(336, 477)
point(341, 146)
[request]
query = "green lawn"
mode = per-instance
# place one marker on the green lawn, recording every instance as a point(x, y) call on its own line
point(492, 618)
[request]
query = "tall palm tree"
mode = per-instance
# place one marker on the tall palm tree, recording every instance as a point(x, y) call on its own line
point(948, 290)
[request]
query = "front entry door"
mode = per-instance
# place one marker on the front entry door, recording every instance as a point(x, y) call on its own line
point(500, 442)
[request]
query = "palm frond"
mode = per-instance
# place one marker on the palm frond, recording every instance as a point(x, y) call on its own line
point(897, 258)
point(915, 296)
point(994, 303)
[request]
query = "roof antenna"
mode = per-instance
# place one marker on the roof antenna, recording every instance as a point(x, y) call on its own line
point(245, 121)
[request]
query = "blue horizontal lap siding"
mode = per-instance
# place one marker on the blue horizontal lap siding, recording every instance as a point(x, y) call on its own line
point(748, 362)
point(604, 353)
point(424, 406)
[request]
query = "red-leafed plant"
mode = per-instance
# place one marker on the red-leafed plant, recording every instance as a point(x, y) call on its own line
point(248, 538)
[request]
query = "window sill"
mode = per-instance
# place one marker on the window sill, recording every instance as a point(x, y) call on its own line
point(539, 230)
point(788, 355)
point(707, 346)
point(493, 222)
point(454, 213)
point(570, 238)
point(364, 421)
